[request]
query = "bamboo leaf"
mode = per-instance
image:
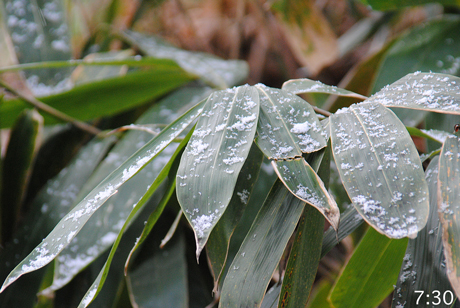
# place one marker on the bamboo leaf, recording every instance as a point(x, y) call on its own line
point(214, 156)
point(380, 169)
point(219, 240)
point(301, 180)
point(448, 196)
point(423, 267)
point(22, 147)
point(371, 272)
point(422, 91)
point(288, 125)
point(102, 228)
point(253, 266)
point(73, 222)
point(50, 205)
point(170, 170)
point(105, 97)
point(215, 71)
point(300, 86)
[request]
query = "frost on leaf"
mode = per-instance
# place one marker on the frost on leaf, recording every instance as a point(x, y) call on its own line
point(423, 91)
point(213, 158)
point(380, 169)
point(288, 125)
point(448, 208)
point(302, 181)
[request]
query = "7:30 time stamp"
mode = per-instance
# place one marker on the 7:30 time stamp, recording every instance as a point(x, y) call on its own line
point(434, 298)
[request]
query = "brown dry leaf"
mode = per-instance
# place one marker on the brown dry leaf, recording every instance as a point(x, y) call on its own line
point(308, 33)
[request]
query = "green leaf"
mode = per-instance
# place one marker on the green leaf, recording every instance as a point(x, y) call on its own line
point(39, 32)
point(319, 295)
point(301, 180)
point(431, 134)
point(47, 209)
point(213, 70)
point(271, 297)
point(448, 196)
point(73, 222)
point(169, 170)
point(258, 256)
point(305, 254)
point(300, 86)
point(303, 260)
point(214, 156)
point(288, 125)
point(422, 91)
point(371, 272)
point(153, 290)
point(101, 229)
point(219, 240)
point(350, 220)
point(423, 267)
point(25, 138)
point(380, 169)
point(385, 5)
point(105, 97)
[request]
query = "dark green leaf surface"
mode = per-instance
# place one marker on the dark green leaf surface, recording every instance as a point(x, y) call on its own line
point(448, 209)
point(288, 125)
point(51, 204)
point(380, 169)
point(161, 279)
point(422, 91)
point(423, 267)
point(169, 170)
point(300, 86)
point(214, 157)
point(301, 180)
point(102, 228)
point(303, 260)
point(213, 70)
point(106, 97)
point(219, 240)
point(73, 222)
point(253, 266)
point(25, 138)
point(370, 274)
point(384, 5)
point(319, 295)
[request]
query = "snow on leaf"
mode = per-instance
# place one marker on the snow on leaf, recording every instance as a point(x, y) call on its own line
point(380, 169)
point(288, 125)
point(212, 161)
point(423, 91)
point(73, 222)
point(301, 180)
point(304, 85)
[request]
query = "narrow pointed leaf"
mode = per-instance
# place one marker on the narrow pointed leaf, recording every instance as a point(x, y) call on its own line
point(437, 136)
point(219, 240)
point(73, 222)
point(380, 169)
point(214, 156)
point(288, 125)
point(422, 91)
point(171, 169)
point(423, 267)
point(303, 260)
point(370, 274)
point(105, 97)
point(50, 205)
point(300, 86)
point(251, 270)
point(449, 212)
point(152, 289)
point(301, 180)
point(213, 70)
point(102, 228)
point(25, 138)
point(305, 253)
